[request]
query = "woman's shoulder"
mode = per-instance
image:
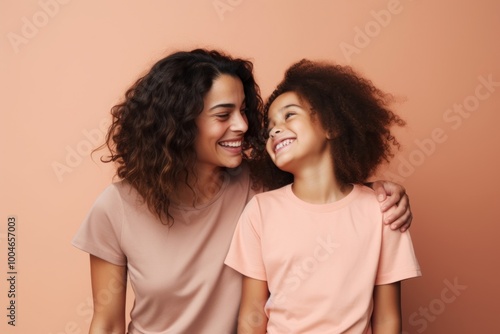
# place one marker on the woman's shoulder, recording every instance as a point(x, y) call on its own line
point(118, 192)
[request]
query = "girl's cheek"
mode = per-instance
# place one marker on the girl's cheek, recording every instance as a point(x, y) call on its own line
point(269, 148)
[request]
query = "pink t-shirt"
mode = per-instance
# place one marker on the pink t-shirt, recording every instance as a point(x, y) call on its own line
point(320, 261)
point(178, 274)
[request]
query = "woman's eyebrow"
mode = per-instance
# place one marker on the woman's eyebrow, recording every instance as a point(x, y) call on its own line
point(227, 105)
point(223, 105)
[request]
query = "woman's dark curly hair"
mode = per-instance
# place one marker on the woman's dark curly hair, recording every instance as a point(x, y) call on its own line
point(350, 108)
point(153, 131)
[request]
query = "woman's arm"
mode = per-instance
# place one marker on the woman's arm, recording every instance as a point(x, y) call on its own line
point(386, 317)
point(109, 284)
point(252, 319)
point(394, 203)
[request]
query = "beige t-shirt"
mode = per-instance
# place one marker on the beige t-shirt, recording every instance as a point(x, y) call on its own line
point(178, 274)
point(321, 261)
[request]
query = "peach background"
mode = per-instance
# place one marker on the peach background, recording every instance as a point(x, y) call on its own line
point(58, 85)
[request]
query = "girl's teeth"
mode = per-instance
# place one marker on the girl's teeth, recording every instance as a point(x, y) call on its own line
point(283, 144)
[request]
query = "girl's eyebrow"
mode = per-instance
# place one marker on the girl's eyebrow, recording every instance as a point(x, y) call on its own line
point(290, 105)
point(284, 108)
point(279, 111)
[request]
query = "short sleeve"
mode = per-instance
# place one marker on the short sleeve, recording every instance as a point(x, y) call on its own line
point(245, 252)
point(99, 234)
point(397, 257)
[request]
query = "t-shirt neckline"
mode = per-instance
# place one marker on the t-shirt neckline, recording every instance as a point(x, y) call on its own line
point(326, 207)
point(186, 207)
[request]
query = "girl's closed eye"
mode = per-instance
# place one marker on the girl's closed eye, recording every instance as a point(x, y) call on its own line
point(289, 114)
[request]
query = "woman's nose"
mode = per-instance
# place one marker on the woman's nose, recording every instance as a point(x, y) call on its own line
point(239, 123)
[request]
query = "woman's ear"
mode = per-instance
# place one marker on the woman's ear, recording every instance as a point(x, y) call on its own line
point(331, 134)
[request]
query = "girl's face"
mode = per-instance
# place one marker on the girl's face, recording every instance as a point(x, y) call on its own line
point(296, 138)
point(222, 124)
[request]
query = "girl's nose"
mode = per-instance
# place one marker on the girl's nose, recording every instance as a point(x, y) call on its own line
point(274, 132)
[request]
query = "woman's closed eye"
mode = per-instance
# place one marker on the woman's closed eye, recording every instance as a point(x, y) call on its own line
point(222, 116)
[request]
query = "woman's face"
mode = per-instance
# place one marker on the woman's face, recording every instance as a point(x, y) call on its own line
point(222, 124)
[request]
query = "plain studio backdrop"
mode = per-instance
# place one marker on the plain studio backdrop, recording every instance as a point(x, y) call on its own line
point(64, 64)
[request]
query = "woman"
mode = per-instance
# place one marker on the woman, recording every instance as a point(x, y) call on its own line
point(178, 140)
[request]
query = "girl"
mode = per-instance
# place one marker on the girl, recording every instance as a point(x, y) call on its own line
point(178, 140)
point(314, 255)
